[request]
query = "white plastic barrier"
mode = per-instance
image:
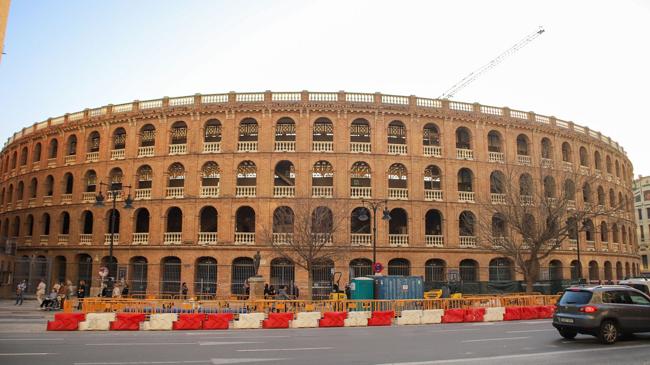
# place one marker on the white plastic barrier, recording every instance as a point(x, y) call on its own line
point(357, 319)
point(306, 320)
point(413, 316)
point(249, 320)
point(430, 316)
point(494, 314)
point(97, 322)
point(160, 322)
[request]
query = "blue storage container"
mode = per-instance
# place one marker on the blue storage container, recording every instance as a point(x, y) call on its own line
point(399, 287)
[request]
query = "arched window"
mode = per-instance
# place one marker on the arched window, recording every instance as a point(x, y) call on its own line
point(584, 156)
point(29, 225)
point(608, 271)
point(49, 185)
point(210, 179)
point(569, 189)
point(498, 226)
point(398, 227)
point(497, 182)
point(500, 269)
point(555, 270)
point(526, 187)
point(248, 130)
point(145, 177)
point(20, 191)
point(212, 131)
point(466, 222)
point(432, 181)
point(494, 142)
point(94, 140)
point(14, 160)
point(608, 164)
point(547, 149)
point(285, 135)
point(170, 282)
point(142, 218)
point(434, 271)
point(463, 138)
point(360, 179)
point(176, 175)
point(115, 179)
point(111, 263)
point(68, 180)
point(36, 156)
point(54, 149)
point(147, 136)
point(282, 273)
point(615, 237)
point(522, 145)
point(396, 133)
point(468, 270)
point(283, 219)
point(623, 234)
point(360, 131)
point(242, 269)
point(33, 188)
point(617, 168)
point(465, 178)
point(360, 267)
point(566, 152)
point(322, 221)
point(612, 198)
point(84, 269)
point(45, 224)
point(590, 230)
point(619, 271)
point(87, 222)
point(119, 139)
point(23, 156)
point(245, 225)
point(174, 220)
point(576, 270)
point(246, 179)
point(64, 221)
point(399, 266)
point(598, 163)
point(604, 232)
point(593, 271)
point(322, 272)
point(91, 181)
point(360, 227)
point(60, 267)
point(322, 179)
point(138, 276)
point(205, 277)
point(113, 220)
point(72, 145)
point(397, 181)
point(178, 133)
point(601, 196)
point(549, 187)
point(433, 224)
point(284, 179)
point(323, 132)
point(430, 135)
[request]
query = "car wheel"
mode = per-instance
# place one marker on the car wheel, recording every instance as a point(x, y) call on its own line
point(567, 333)
point(608, 332)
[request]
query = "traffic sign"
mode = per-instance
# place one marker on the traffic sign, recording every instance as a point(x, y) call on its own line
point(378, 267)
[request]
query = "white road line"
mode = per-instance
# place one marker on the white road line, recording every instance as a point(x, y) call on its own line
point(495, 339)
point(227, 343)
point(458, 330)
point(517, 356)
point(240, 361)
point(31, 339)
point(530, 322)
point(145, 362)
point(28, 354)
point(291, 349)
point(525, 331)
point(140, 343)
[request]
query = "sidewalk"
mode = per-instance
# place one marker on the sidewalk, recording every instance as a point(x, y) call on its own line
point(23, 318)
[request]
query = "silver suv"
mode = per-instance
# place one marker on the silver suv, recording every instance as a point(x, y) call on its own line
point(604, 311)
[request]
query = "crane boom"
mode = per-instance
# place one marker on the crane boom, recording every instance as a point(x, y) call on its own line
point(488, 66)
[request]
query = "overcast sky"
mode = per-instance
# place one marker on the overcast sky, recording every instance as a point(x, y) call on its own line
point(590, 67)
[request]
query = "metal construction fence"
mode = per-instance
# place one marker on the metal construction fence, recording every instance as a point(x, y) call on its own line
point(247, 306)
point(206, 279)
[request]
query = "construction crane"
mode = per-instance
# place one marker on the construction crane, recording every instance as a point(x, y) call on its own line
point(490, 65)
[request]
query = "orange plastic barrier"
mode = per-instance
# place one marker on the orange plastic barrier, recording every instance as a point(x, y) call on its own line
point(220, 321)
point(512, 314)
point(381, 318)
point(70, 316)
point(127, 322)
point(529, 313)
point(453, 316)
point(333, 319)
point(189, 322)
point(474, 315)
point(277, 320)
point(545, 311)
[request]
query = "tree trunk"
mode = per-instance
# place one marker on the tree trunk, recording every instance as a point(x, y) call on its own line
point(310, 283)
point(531, 273)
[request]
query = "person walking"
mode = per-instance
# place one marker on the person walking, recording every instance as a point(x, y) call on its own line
point(20, 291)
point(62, 293)
point(117, 291)
point(81, 293)
point(40, 291)
point(184, 290)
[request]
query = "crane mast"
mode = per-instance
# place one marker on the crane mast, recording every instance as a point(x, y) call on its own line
point(490, 65)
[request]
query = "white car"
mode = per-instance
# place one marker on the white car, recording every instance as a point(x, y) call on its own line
point(641, 284)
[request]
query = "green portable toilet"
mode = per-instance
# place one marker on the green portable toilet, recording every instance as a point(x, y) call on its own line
point(362, 289)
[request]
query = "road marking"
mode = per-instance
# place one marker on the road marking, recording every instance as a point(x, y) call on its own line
point(145, 362)
point(517, 356)
point(226, 343)
point(525, 331)
point(31, 339)
point(140, 343)
point(532, 322)
point(28, 354)
point(239, 361)
point(495, 339)
point(483, 324)
point(291, 349)
point(458, 330)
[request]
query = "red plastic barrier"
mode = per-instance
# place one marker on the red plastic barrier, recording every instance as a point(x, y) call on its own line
point(136, 317)
point(63, 325)
point(189, 322)
point(66, 316)
point(277, 320)
point(332, 319)
point(528, 313)
point(127, 322)
point(220, 321)
point(381, 318)
point(453, 316)
point(474, 315)
point(545, 311)
point(512, 314)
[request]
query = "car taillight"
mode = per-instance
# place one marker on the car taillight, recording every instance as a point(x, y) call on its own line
point(588, 309)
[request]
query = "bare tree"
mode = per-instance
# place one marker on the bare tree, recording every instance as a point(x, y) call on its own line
point(307, 234)
point(527, 224)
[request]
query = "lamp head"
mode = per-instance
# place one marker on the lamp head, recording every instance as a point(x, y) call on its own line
point(386, 215)
point(99, 200)
point(128, 202)
point(363, 216)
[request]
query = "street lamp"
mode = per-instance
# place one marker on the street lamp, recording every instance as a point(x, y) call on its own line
point(374, 205)
point(113, 190)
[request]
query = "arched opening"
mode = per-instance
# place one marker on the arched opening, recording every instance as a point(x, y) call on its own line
point(497, 183)
point(245, 225)
point(584, 157)
point(20, 191)
point(466, 222)
point(498, 226)
point(601, 196)
point(397, 181)
point(284, 179)
point(430, 135)
point(45, 224)
point(463, 138)
point(210, 179)
point(208, 220)
point(608, 272)
point(174, 220)
point(242, 269)
point(547, 149)
point(322, 272)
point(53, 150)
point(590, 230)
point(72, 145)
point(65, 223)
point(170, 275)
point(360, 131)
point(68, 183)
point(94, 142)
point(432, 181)
point(360, 180)
point(29, 226)
point(145, 178)
point(285, 135)
point(604, 232)
point(465, 178)
point(434, 272)
point(500, 269)
point(468, 270)
point(494, 142)
point(49, 185)
point(566, 152)
point(282, 274)
point(111, 264)
point(91, 181)
point(147, 136)
point(597, 161)
point(323, 132)
point(433, 223)
point(205, 277)
point(119, 139)
point(176, 175)
point(396, 135)
point(138, 267)
point(586, 193)
point(617, 168)
point(399, 266)
point(569, 190)
point(593, 271)
point(526, 187)
point(142, 219)
point(248, 130)
point(398, 227)
point(246, 179)
point(555, 270)
point(115, 179)
point(360, 267)
point(212, 132)
point(549, 187)
point(522, 145)
point(23, 156)
point(322, 225)
point(113, 220)
point(322, 179)
point(33, 188)
point(619, 271)
point(576, 270)
point(36, 153)
point(178, 133)
point(360, 227)
point(87, 222)
point(60, 268)
point(283, 219)
point(84, 269)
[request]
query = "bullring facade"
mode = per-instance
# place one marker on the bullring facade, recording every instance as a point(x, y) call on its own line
point(206, 173)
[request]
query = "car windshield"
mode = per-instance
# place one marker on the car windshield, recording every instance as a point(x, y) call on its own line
point(576, 297)
point(640, 287)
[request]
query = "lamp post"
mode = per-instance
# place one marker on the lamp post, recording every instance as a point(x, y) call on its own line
point(99, 202)
point(374, 205)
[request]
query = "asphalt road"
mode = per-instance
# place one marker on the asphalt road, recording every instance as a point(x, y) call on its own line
point(525, 342)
